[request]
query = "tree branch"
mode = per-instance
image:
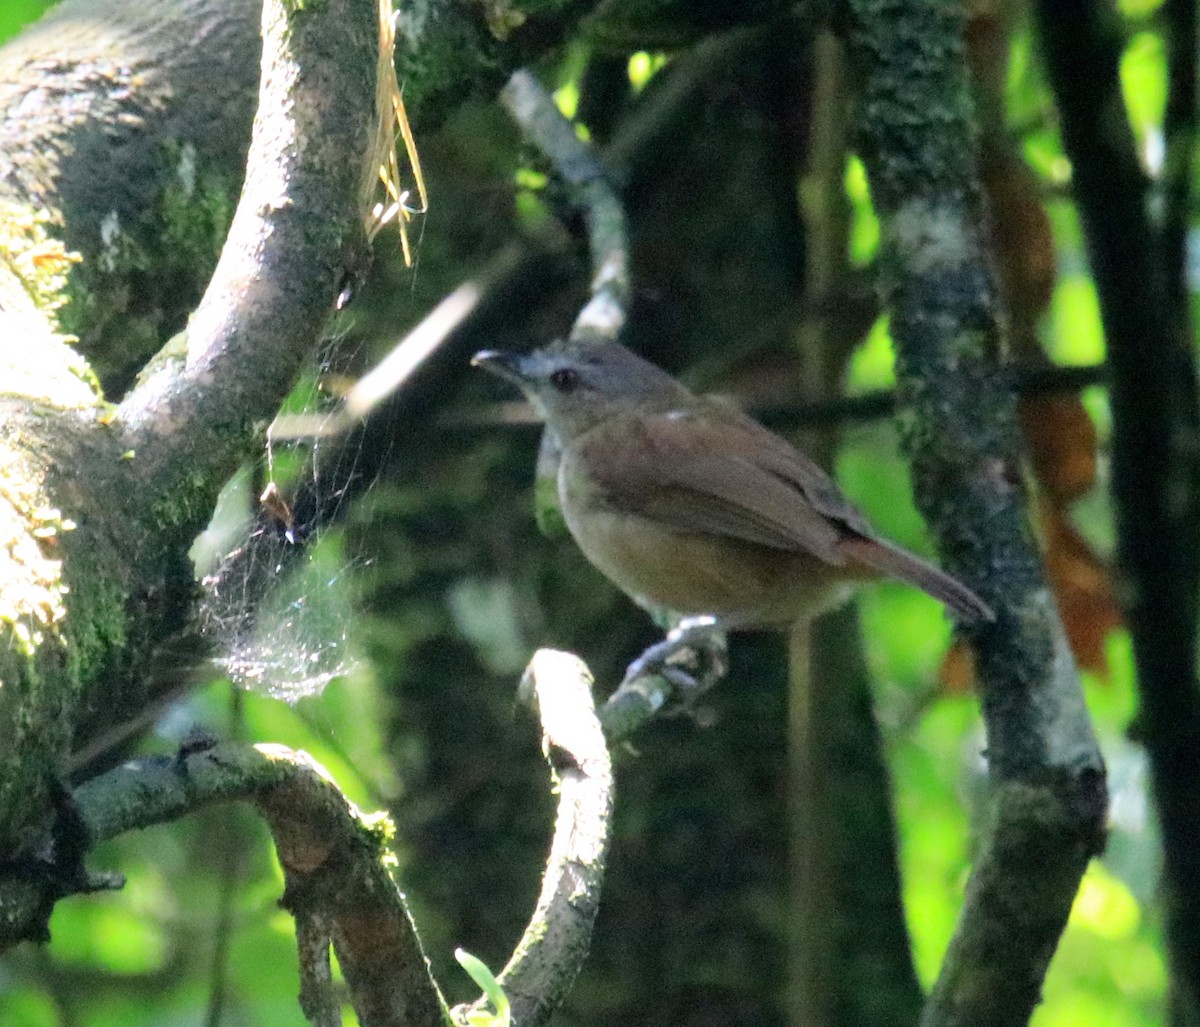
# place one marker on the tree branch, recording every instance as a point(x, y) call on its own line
point(95, 79)
point(867, 962)
point(316, 974)
point(335, 862)
point(298, 227)
point(554, 945)
point(916, 137)
point(534, 110)
point(127, 499)
point(1180, 126)
point(876, 405)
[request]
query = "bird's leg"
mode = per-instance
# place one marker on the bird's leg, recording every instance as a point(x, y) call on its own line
point(693, 657)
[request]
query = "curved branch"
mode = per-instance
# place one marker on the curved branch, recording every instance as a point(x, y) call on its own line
point(335, 863)
point(335, 860)
point(554, 945)
point(297, 228)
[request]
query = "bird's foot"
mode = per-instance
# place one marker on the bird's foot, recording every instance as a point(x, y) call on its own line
point(693, 657)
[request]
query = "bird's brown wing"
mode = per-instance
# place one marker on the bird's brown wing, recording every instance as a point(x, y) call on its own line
point(713, 470)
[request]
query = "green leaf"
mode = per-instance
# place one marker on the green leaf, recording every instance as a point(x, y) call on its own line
point(486, 980)
point(1144, 82)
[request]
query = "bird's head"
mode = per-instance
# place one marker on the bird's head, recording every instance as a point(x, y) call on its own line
point(576, 385)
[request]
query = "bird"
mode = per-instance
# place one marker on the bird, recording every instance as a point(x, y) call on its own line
point(694, 509)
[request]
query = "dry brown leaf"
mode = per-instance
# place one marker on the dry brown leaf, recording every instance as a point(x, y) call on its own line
point(1082, 585)
point(1061, 442)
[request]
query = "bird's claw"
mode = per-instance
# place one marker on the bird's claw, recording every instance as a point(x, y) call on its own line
point(693, 657)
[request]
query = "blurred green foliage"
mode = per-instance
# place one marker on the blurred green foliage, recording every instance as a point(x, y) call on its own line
point(16, 14)
point(429, 726)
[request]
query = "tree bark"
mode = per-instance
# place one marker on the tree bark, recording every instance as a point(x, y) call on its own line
point(917, 138)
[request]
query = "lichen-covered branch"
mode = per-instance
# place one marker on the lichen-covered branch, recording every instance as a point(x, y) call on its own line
point(1156, 415)
point(1181, 125)
point(915, 134)
point(107, 508)
point(335, 860)
point(298, 227)
point(126, 124)
point(555, 943)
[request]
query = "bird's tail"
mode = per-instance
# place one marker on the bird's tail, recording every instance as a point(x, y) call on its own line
point(899, 563)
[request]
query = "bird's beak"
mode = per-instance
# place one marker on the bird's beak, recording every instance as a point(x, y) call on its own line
point(505, 365)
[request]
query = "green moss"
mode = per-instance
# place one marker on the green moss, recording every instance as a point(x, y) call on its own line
point(381, 829)
point(97, 625)
point(144, 278)
point(195, 209)
point(38, 664)
point(32, 591)
point(39, 261)
point(54, 584)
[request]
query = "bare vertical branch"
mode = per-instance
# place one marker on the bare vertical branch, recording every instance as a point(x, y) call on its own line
point(1180, 129)
point(851, 958)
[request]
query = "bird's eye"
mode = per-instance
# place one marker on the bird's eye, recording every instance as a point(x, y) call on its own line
point(565, 379)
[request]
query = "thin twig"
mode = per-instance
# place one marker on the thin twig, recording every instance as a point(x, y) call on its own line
point(883, 403)
point(533, 108)
point(875, 405)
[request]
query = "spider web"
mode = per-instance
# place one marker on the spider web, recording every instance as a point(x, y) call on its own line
point(275, 565)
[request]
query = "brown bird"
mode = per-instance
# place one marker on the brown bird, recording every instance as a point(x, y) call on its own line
point(691, 507)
